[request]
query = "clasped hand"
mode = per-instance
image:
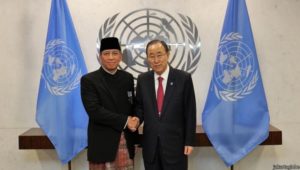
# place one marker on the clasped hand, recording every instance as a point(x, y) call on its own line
point(133, 123)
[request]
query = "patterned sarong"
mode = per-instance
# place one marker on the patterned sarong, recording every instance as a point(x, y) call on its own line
point(122, 161)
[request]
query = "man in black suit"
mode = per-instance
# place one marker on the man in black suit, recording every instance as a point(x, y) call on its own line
point(167, 107)
point(108, 96)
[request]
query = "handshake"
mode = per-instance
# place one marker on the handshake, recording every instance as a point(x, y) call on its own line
point(133, 123)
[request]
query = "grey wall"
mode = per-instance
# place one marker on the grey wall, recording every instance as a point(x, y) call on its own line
point(23, 29)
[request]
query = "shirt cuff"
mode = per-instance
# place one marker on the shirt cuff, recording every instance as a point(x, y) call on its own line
point(126, 123)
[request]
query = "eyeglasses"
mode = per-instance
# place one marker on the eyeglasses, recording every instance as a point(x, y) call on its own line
point(159, 56)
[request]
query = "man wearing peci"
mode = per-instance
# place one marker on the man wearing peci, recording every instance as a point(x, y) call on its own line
point(108, 96)
point(166, 104)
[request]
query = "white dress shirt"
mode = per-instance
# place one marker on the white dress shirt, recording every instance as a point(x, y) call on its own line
point(165, 76)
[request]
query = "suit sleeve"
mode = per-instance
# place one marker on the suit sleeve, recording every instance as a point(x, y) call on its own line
point(97, 113)
point(190, 112)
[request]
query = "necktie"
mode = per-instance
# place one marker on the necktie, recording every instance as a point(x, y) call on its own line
point(160, 95)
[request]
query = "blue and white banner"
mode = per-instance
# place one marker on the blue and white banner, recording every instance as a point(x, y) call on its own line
point(60, 112)
point(236, 116)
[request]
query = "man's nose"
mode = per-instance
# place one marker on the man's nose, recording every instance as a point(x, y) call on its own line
point(156, 60)
point(110, 56)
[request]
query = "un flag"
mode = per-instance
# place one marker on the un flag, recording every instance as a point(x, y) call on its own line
point(60, 112)
point(236, 116)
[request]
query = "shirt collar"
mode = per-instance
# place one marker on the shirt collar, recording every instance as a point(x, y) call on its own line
point(164, 75)
point(109, 72)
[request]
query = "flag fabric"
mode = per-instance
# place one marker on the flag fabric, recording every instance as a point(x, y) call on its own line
point(235, 116)
point(60, 112)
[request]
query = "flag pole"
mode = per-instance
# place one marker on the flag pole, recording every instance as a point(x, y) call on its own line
point(69, 165)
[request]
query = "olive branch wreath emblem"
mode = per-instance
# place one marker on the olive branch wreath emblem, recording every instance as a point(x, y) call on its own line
point(194, 40)
point(232, 96)
point(191, 30)
point(59, 90)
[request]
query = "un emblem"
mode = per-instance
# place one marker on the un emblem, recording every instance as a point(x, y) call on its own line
point(60, 70)
point(137, 28)
point(235, 74)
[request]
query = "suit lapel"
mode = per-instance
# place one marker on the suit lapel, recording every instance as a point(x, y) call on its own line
point(152, 91)
point(169, 90)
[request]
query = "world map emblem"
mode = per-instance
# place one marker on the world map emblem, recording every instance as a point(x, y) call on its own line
point(60, 69)
point(137, 28)
point(235, 73)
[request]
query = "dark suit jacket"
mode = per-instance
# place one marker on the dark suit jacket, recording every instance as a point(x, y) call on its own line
point(176, 126)
point(106, 119)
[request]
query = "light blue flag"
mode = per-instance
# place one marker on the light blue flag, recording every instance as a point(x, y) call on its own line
point(236, 116)
point(60, 112)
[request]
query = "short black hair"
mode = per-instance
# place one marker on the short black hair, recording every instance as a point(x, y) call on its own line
point(163, 43)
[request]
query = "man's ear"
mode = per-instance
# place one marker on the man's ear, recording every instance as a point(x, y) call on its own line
point(99, 58)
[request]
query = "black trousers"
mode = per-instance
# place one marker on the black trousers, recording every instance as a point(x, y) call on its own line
point(159, 162)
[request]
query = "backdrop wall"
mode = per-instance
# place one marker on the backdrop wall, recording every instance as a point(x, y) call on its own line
point(23, 29)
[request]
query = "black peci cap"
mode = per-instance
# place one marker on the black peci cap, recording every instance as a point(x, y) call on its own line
point(110, 43)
